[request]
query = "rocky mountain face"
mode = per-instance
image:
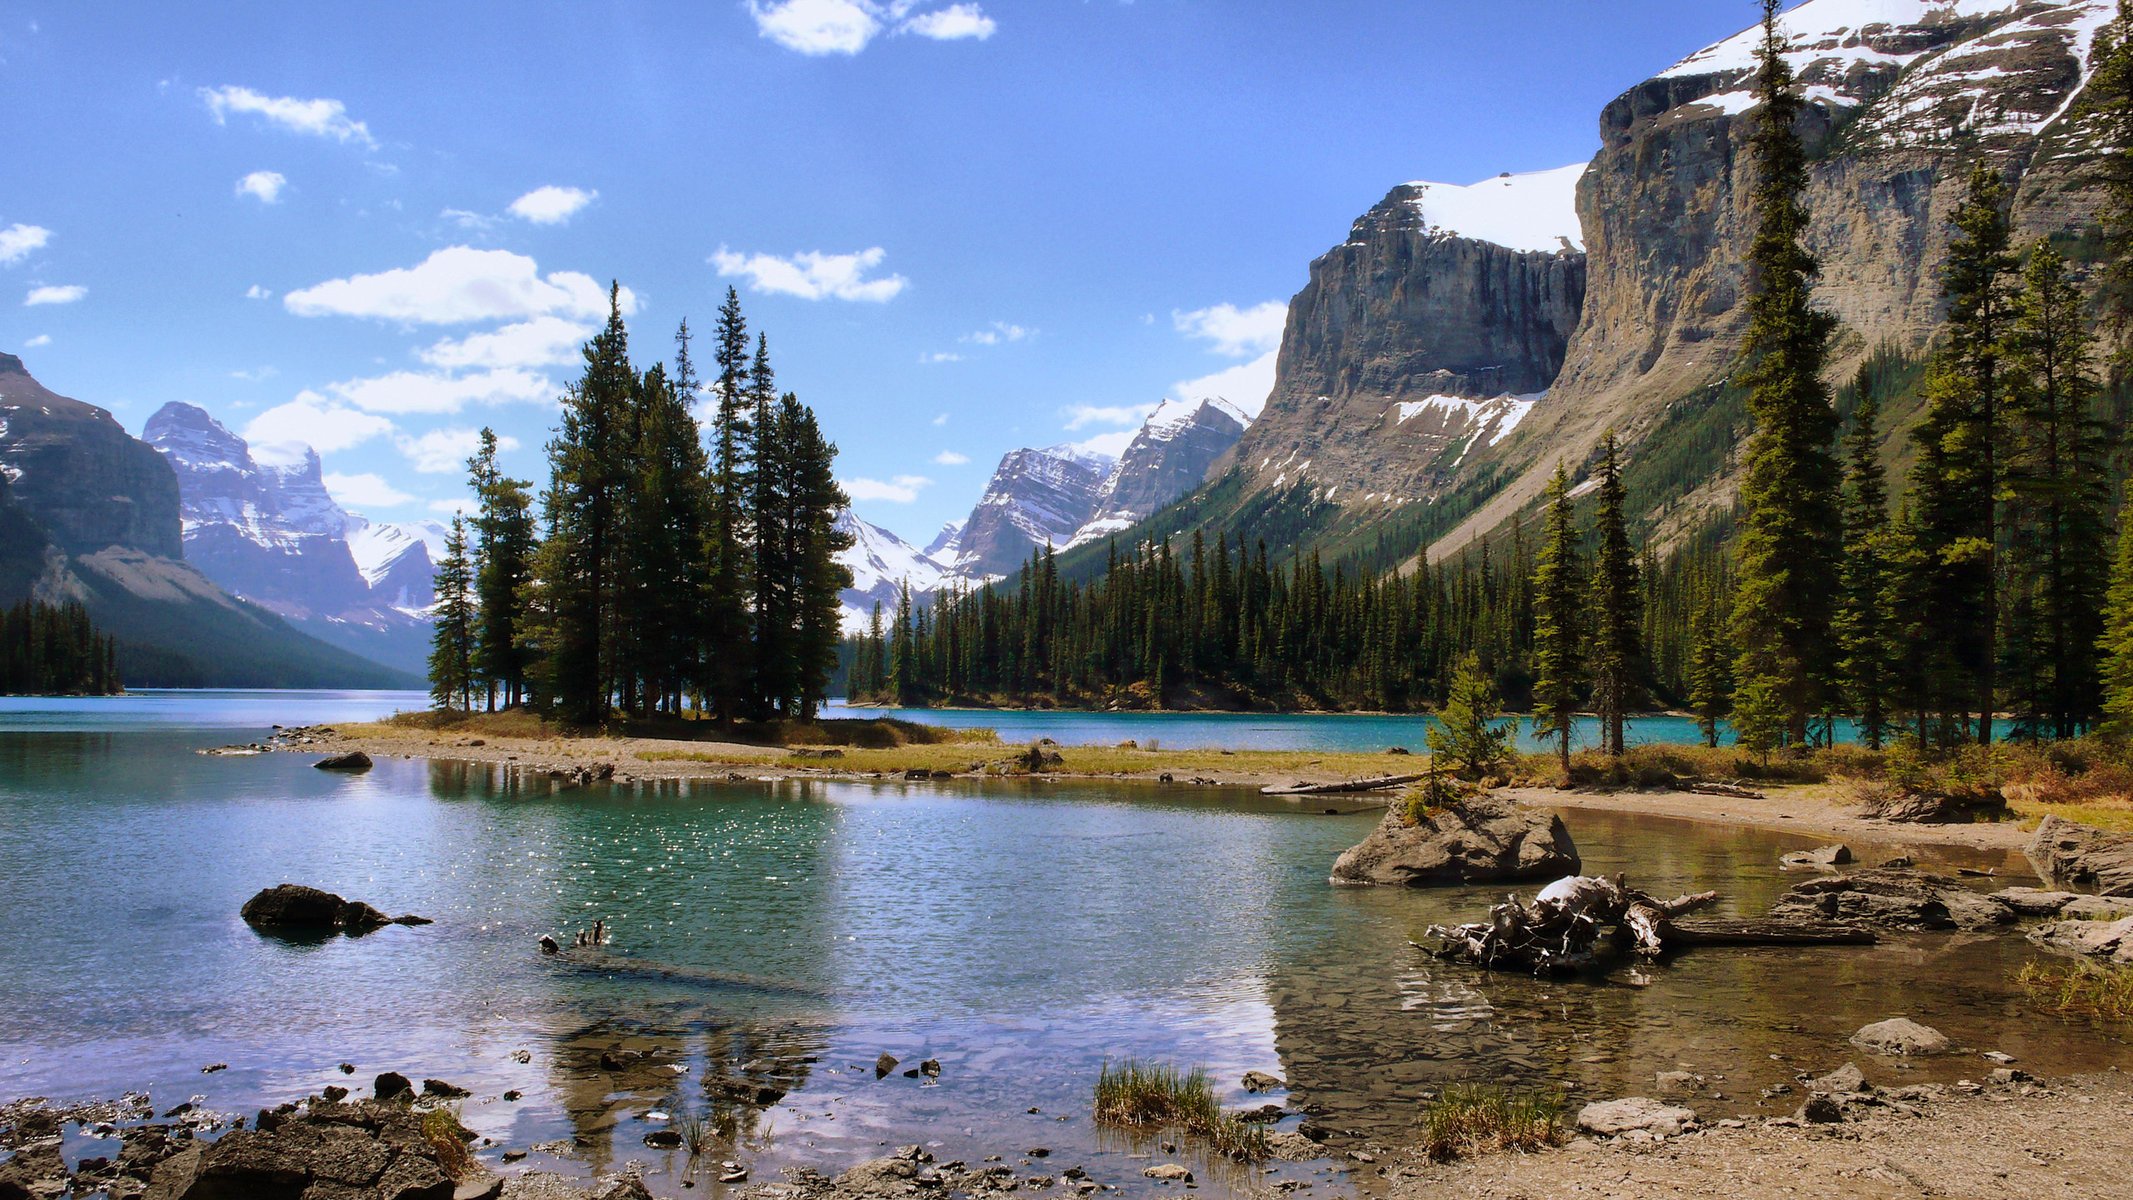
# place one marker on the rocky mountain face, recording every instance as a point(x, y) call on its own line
point(1903, 95)
point(1431, 329)
point(1167, 458)
point(1035, 498)
point(90, 514)
point(87, 481)
point(882, 564)
point(272, 534)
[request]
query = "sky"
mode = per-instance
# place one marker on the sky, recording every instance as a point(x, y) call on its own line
point(964, 227)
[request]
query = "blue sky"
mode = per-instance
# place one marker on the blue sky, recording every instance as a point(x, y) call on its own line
point(965, 227)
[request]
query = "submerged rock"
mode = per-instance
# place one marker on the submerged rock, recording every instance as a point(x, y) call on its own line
point(1480, 839)
point(2075, 855)
point(1895, 898)
point(1611, 1118)
point(294, 908)
point(1901, 1035)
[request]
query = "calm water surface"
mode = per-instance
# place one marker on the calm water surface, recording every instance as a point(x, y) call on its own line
point(1021, 933)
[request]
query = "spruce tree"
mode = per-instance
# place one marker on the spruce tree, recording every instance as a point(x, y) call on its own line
point(503, 566)
point(1466, 735)
point(1710, 666)
point(770, 520)
point(813, 501)
point(1861, 630)
point(668, 524)
point(2115, 647)
point(1558, 621)
point(1617, 657)
point(1789, 512)
point(452, 640)
point(728, 589)
point(588, 462)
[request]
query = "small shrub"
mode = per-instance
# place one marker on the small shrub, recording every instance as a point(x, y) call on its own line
point(442, 1130)
point(1436, 792)
point(1152, 1095)
point(1478, 1119)
point(2084, 988)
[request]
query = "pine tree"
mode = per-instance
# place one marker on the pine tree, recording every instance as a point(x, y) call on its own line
point(1710, 667)
point(725, 628)
point(2115, 647)
point(770, 520)
point(1955, 480)
point(503, 565)
point(1558, 621)
point(2055, 489)
point(1617, 658)
point(1789, 511)
point(588, 463)
point(1865, 668)
point(668, 524)
point(814, 500)
point(1466, 734)
point(452, 642)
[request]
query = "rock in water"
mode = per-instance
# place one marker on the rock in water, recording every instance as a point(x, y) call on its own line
point(1609, 1118)
point(1822, 858)
point(1901, 1035)
point(1480, 839)
point(354, 760)
point(294, 908)
point(2108, 940)
point(1892, 897)
point(2076, 855)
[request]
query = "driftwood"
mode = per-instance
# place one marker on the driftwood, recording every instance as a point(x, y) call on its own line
point(1561, 930)
point(1731, 790)
point(1378, 784)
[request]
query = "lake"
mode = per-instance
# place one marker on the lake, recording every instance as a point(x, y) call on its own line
point(1022, 933)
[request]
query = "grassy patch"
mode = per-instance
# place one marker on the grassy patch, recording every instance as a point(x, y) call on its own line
point(1664, 766)
point(2086, 989)
point(1476, 1119)
point(1153, 1095)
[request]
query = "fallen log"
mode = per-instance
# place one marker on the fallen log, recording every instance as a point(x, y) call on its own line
point(1729, 790)
point(1720, 931)
point(1377, 784)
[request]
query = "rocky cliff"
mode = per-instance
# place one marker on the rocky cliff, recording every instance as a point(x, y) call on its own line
point(1169, 456)
point(1903, 96)
point(86, 481)
point(1035, 498)
point(1428, 331)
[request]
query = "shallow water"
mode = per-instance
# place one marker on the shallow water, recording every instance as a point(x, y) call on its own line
point(1020, 932)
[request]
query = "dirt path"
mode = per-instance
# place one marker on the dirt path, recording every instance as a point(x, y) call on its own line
point(1802, 810)
point(2073, 1139)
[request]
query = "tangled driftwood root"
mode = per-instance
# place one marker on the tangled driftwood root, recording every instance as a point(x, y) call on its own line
point(1565, 928)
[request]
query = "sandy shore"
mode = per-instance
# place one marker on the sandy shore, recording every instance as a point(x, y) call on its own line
point(2069, 1138)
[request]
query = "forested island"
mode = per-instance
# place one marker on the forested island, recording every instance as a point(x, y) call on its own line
point(48, 650)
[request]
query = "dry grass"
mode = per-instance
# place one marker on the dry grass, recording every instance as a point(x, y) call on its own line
point(2087, 989)
point(1152, 1096)
point(1475, 1119)
point(1667, 766)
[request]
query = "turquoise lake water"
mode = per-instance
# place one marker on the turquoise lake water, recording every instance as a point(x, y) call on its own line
point(1020, 932)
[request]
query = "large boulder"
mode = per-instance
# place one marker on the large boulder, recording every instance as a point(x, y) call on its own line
point(354, 760)
point(294, 908)
point(1901, 1035)
point(1479, 839)
point(1895, 898)
point(1949, 806)
point(2075, 855)
point(2109, 941)
point(1634, 1114)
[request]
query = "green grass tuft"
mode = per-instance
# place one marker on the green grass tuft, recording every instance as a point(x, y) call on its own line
point(2084, 988)
point(1153, 1095)
point(1479, 1119)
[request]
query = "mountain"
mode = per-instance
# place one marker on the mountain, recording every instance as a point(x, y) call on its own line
point(398, 561)
point(1035, 498)
point(943, 546)
point(1462, 341)
point(92, 514)
point(1167, 458)
point(272, 534)
point(881, 564)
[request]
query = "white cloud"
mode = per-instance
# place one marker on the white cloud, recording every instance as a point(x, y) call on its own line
point(952, 23)
point(901, 490)
point(466, 219)
point(541, 342)
point(426, 392)
point(551, 205)
point(445, 451)
point(264, 185)
point(1001, 331)
point(42, 339)
point(818, 26)
point(255, 374)
point(319, 118)
point(54, 295)
point(949, 458)
point(1081, 416)
point(1110, 445)
point(1245, 385)
point(1237, 332)
point(256, 292)
point(811, 275)
point(940, 356)
point(459, 284)
point(940, 420)
point(280, 434)
point(453, 508)
point(366, 491)
point(19, 241)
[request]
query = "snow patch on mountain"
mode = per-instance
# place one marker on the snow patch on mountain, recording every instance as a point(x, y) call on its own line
point(1492, 419)
point(1531, 212)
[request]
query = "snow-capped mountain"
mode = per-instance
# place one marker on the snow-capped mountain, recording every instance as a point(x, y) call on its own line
point(1035, 498)
point(943, 546)
point(1169, 457)
point(882, 564)
point(272, 534)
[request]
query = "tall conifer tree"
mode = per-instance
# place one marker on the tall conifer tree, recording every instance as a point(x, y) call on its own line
point(452, 640)
point(1617, 658)
point(1558, 620)
point(1862, 632)
point(728, 588)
